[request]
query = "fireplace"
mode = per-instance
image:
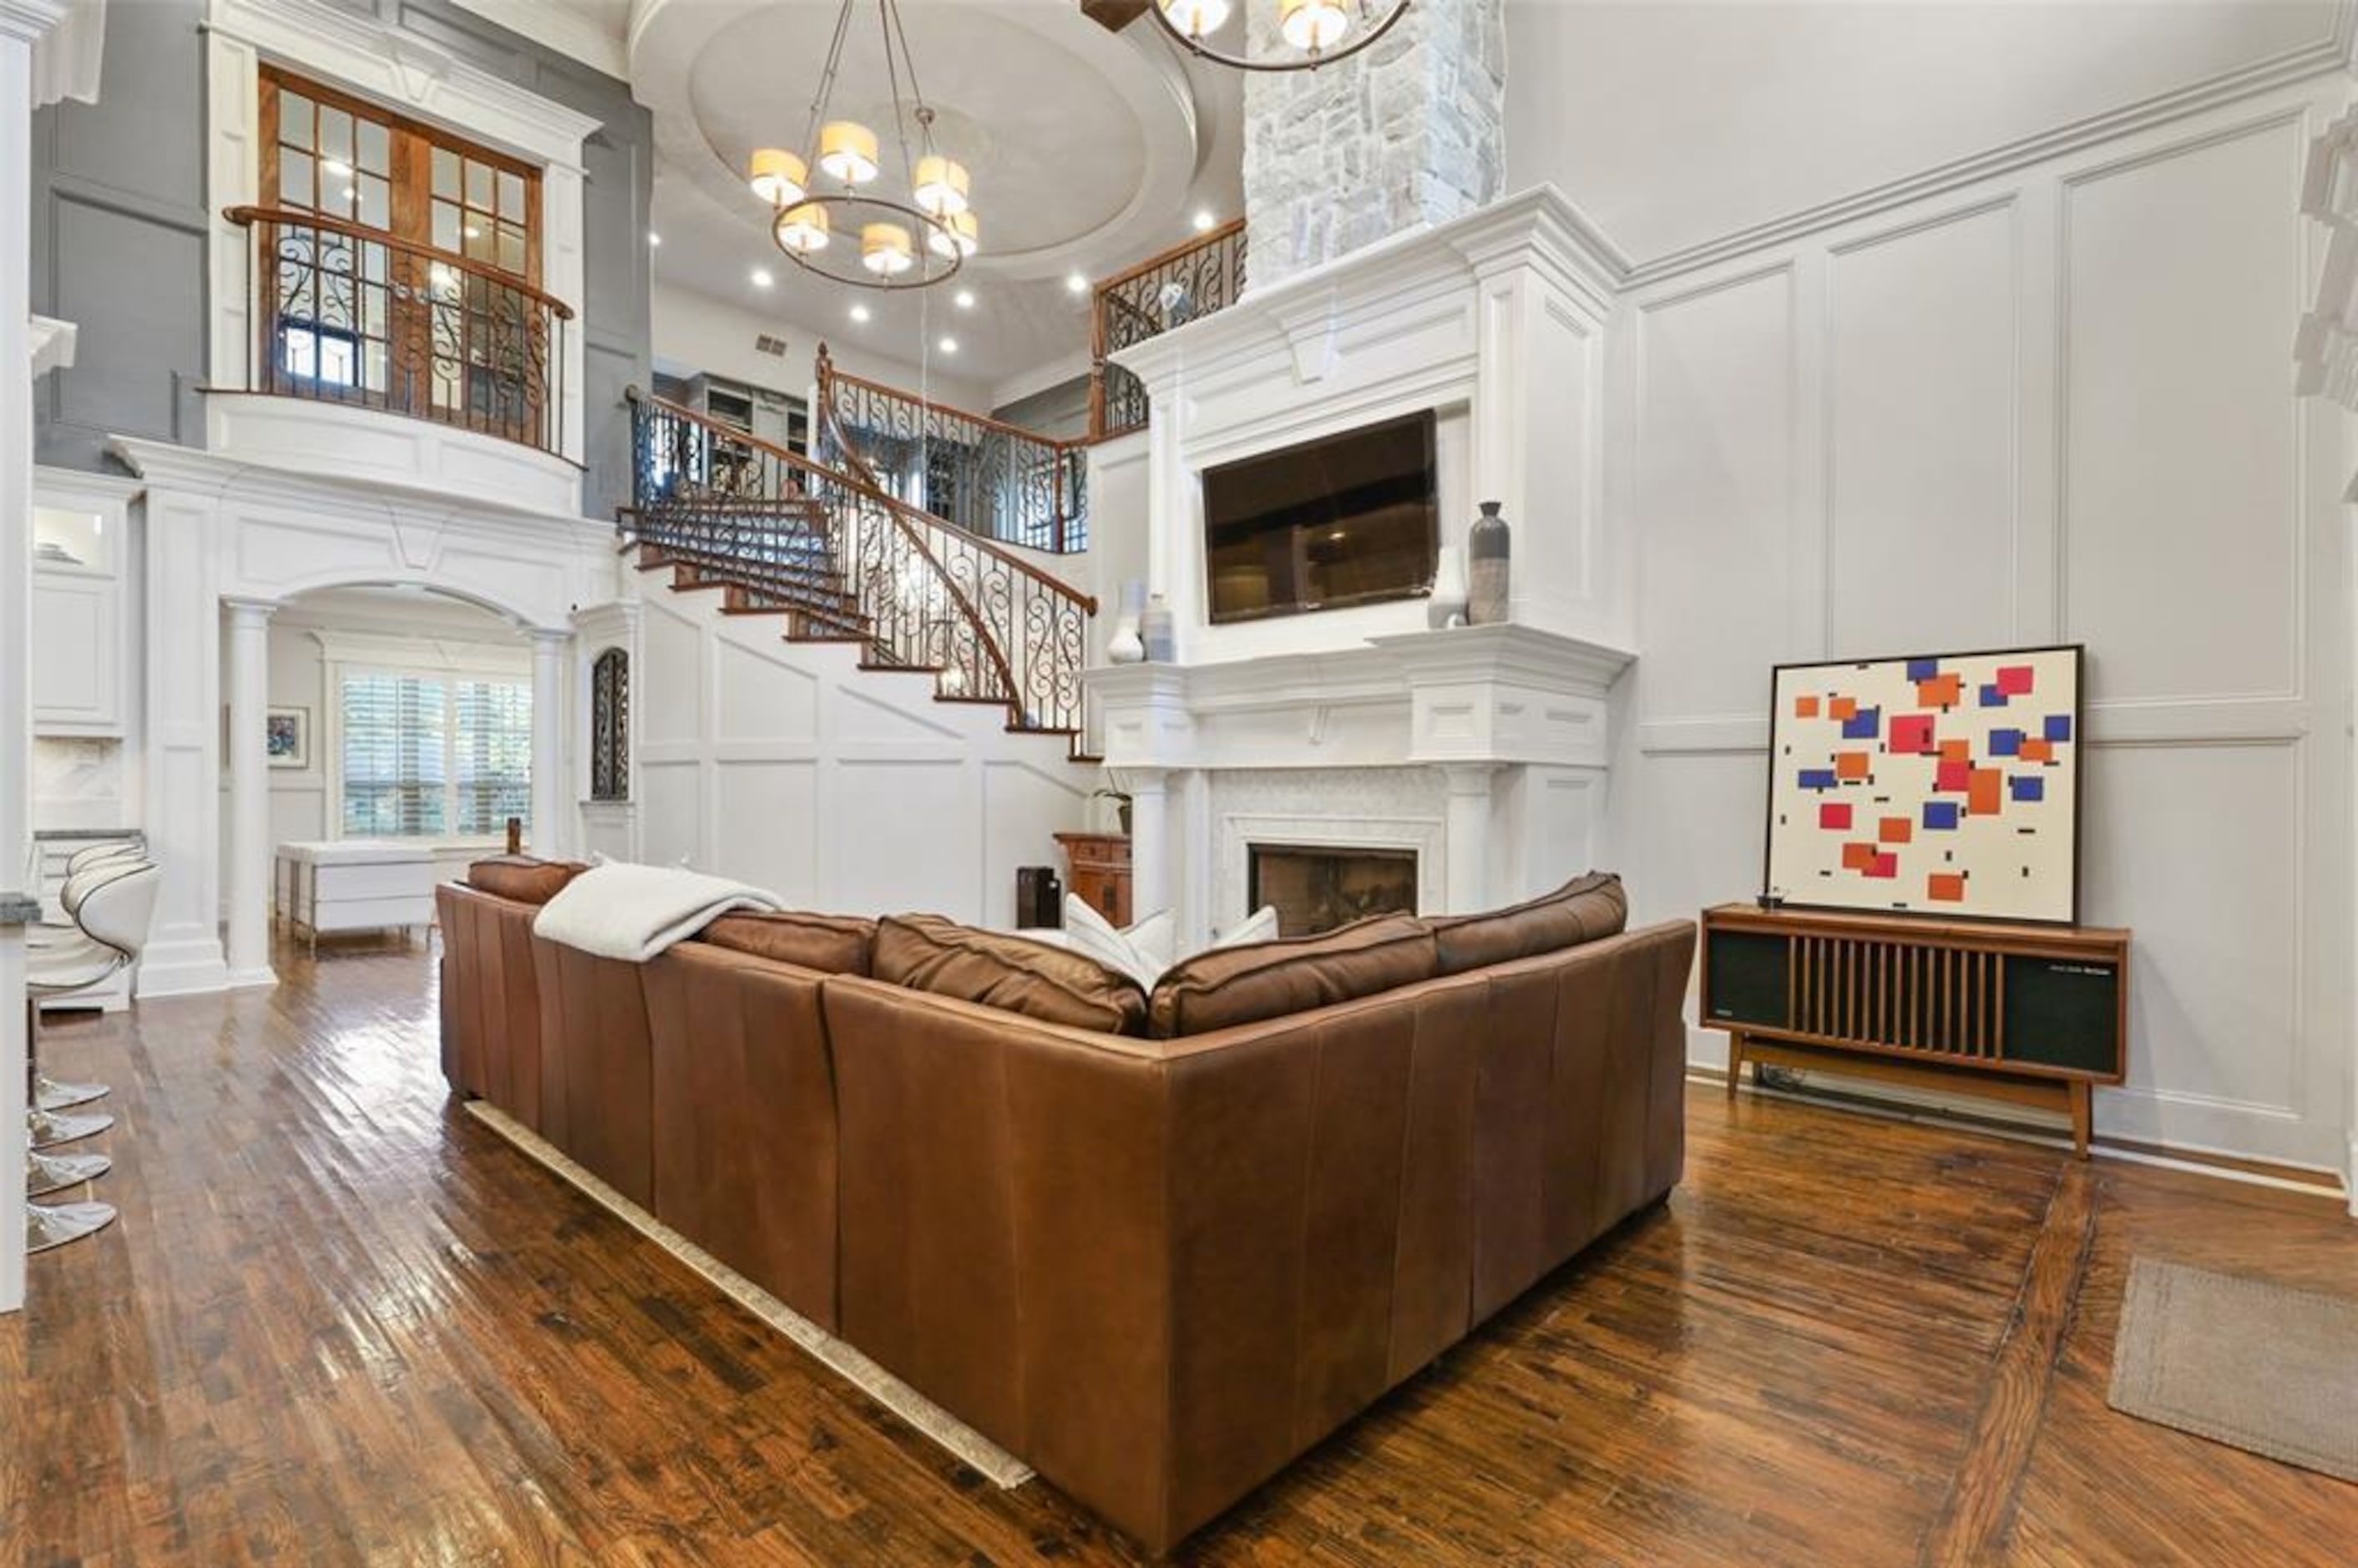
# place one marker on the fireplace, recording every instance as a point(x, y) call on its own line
point(1316, 889)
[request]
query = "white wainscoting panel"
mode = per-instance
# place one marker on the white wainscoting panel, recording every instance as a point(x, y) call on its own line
point(842, 789)
point(2056, 404)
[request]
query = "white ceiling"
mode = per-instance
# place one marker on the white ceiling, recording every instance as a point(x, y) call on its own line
point(1675, 122)
point(1088, 151)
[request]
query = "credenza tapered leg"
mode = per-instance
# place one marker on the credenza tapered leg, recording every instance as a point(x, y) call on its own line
point(1735, 1061)
point(2083, 1097)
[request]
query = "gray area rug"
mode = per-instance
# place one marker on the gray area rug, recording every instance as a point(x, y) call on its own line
point(970, 1445)
point(2243, 1361)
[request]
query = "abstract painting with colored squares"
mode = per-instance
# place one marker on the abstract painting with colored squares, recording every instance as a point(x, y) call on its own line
point(1946, 784)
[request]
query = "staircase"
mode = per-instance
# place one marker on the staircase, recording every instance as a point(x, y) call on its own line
point(841, 560)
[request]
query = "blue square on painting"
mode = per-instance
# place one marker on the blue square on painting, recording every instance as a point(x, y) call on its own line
point(1923, 669)
point(1941, 815)
point(1864, 725)
point(2058, 726)
point(2030, 788)
point(1817, 778)
point(2006, 742)
point(1993, 697)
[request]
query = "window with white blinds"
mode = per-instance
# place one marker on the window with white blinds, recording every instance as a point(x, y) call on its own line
point(434, 756)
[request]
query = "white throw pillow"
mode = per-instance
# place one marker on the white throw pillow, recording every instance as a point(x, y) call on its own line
point(1155, 939)
point(1261, 926)
point(1087, 931)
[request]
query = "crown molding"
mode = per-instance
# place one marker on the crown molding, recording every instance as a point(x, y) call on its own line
point(53, 345)
point(2335, 54)
point(29, 21)
point(407, 70)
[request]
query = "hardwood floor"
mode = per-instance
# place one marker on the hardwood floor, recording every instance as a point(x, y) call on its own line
point(340, 1322)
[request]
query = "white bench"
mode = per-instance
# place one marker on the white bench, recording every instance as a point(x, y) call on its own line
point(355, 884)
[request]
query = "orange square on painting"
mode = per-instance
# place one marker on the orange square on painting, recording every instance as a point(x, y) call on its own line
point(1858, 857)
point(1805, 707)
point(1947, 887)
point(1895, 830)
point(1940, 691)
point(1850, 764)
point(1956, 751)
point(1981, 792)
point(1841, 707)
point(2037, 751)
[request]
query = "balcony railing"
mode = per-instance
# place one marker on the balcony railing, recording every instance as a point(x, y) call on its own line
point(1195, 280)
point(992, 479)
point(852, 559)
point(350, 315)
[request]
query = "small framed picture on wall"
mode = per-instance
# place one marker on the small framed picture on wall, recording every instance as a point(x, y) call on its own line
point(286, 737)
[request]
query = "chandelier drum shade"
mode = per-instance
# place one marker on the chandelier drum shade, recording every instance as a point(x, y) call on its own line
point(1316, 32)
point(885, 209)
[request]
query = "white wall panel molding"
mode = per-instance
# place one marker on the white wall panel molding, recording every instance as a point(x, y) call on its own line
point(2048, 404)
point(2323, 65)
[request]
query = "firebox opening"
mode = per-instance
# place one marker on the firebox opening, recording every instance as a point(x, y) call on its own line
point(1316, 890)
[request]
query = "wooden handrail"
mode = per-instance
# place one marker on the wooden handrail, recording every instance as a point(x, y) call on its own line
point(867, 490)
point(293, 216)
point(1204, 241)
point(828, 373)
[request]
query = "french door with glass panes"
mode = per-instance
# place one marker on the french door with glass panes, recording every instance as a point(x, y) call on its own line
point(407, 265)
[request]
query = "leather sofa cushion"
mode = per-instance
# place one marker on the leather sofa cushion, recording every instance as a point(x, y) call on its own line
point(830, 943)
point(523, 878)
point(1583, 910)
point(1228, 986)
point(1055, 985)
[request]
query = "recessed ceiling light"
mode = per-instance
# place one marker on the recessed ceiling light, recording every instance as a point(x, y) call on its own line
point(860, 312)
point(966, 299)
point(761, 279)
point(1204, 220)
point(653, 238)
point(949, 345)
point(1076, 283)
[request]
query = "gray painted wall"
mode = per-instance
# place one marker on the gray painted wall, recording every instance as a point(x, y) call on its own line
point(1062, 410)
point(119, 224)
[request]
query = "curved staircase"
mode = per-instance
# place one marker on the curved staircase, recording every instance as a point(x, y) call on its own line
point(842, 560)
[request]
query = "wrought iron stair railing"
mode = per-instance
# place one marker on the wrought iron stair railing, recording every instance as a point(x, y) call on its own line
point(985, 475)
point(846, 560)
point(1204, 276)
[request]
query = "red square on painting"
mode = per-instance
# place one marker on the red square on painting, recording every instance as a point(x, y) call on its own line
point(1945, 887)
point(1805, 707)
point(1911, 733)
point(1952, 777)
point(1841, 707)
point(1859, 857)
point(1940, 691)
point(1895, 830)
point(1835, 818)
point(1885, 866)
point(2014, 679)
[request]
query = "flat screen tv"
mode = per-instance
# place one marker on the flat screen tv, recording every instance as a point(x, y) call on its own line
point(1349, 519)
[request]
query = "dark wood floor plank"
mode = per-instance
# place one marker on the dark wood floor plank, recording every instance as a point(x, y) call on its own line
point(340, 1322)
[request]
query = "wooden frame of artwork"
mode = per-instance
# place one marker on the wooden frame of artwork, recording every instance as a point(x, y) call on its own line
point(286, 737)
point(1942, 784)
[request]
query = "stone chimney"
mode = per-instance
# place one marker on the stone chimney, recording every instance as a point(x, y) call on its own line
point(1412, 132)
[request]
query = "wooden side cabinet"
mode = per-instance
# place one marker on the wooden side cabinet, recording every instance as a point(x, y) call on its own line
point(1098, 872)
point(2033, 1014)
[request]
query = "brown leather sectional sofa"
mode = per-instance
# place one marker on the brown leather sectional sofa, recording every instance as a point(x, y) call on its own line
point(1156, 1247)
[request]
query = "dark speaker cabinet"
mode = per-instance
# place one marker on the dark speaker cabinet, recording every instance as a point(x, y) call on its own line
point(2033, 1014)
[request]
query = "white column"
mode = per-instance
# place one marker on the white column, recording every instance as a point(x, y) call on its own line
point(551, 806)
point(1466, 847)
point(246, 877)
point(21, 22)
point(1150, 840)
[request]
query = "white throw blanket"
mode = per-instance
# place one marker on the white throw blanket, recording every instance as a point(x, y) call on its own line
point(623, 911)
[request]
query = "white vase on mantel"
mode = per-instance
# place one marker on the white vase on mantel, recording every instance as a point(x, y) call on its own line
point(1446, 606)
